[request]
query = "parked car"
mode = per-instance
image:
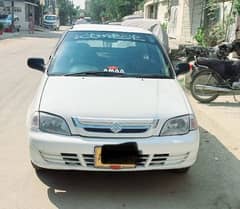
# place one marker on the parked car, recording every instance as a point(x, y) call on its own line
point(6, 20)
point(81, 21)
point(114, 23)
point(51, 22)
point(131, 17)
point(152, 25)
point(109, 100)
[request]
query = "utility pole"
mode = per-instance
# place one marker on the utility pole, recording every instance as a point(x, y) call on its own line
point(12, 11)
point(169, 9)
point(54, 6)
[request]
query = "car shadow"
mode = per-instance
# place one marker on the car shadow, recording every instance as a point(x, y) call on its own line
point(225, 104)
point(212, 183)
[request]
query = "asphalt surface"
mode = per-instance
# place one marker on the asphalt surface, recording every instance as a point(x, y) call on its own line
point(212, 183)
point(222, 118)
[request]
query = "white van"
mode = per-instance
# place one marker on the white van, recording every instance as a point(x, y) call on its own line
point(51, 22)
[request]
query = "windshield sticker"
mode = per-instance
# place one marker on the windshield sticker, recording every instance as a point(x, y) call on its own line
point(117, 36)
point(114, 69)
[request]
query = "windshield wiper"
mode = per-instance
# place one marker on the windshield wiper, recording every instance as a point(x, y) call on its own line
point(97, 73)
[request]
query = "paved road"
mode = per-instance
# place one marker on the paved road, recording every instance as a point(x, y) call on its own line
point(213, 183)
point(222, 118)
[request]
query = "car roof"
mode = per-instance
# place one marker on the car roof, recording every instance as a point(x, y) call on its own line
point(50, 15)
point(142, 23)
point(130, 17)
point(110, 28)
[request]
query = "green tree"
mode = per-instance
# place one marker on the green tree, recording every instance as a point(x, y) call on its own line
point(112, 10)
point(237, 6)
point(214, 31)
point(67, 11)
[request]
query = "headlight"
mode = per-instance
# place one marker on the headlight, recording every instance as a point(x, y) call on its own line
point(50, 124)
point(35, 122)
point(179, 125)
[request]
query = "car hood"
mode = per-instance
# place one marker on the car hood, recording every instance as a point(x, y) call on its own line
point(105, 97)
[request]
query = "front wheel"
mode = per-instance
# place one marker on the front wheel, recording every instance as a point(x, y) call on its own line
point(204, 78)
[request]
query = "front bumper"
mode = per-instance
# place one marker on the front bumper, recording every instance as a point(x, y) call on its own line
point(50, 26)
point(77, 153)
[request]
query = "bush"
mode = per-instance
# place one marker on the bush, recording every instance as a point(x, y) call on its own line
point(216, 35)
point(164, 26)
point(200, 37)
point(1, 26)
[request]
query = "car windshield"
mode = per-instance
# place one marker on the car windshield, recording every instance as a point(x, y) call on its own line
point(3, 17)
point(50, 18)
point(128, 54)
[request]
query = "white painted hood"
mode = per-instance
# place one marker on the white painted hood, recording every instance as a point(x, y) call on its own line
point(110, 97)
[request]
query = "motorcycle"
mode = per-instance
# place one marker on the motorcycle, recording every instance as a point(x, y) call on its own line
point(217, 75)
point(189, 54)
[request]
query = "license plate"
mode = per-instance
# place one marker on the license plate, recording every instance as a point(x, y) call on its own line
point(116, 157)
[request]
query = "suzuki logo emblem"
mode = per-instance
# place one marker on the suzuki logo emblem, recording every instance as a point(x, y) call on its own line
point(116, 128)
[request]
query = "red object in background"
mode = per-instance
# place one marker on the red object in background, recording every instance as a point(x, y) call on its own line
point(113, 67)
point(1, 32)
point(9, 29)
point(190, 66)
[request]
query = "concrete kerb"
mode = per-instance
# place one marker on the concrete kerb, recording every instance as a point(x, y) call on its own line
point(9, 35)
point(21, 33)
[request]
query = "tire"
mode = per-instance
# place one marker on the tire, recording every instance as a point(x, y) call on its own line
point(205, 77)
point(181, 170)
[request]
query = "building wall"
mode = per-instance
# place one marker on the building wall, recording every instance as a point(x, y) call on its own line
point(189, 15)
point(197, 15)
point(22, 10)
point(19, 10)
point(163, 11)
point(186, 16)
point(186, 20)
point(156, 9)
point(175, 19)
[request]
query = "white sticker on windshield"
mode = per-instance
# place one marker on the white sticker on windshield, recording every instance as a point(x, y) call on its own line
point(114, 69)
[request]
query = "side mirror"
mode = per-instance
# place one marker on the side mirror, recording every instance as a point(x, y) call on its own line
point(36, 63)
point(182, 68)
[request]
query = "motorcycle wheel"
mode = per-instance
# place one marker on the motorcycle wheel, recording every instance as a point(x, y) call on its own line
point(204, 77)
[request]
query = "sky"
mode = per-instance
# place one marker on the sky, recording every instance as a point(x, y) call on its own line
point(80, 3)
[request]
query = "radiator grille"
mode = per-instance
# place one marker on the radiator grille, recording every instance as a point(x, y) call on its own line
point(110, 128)
point(87, 160)
point(62, 158)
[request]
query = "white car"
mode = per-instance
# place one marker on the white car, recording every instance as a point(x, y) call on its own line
point(109, 101)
